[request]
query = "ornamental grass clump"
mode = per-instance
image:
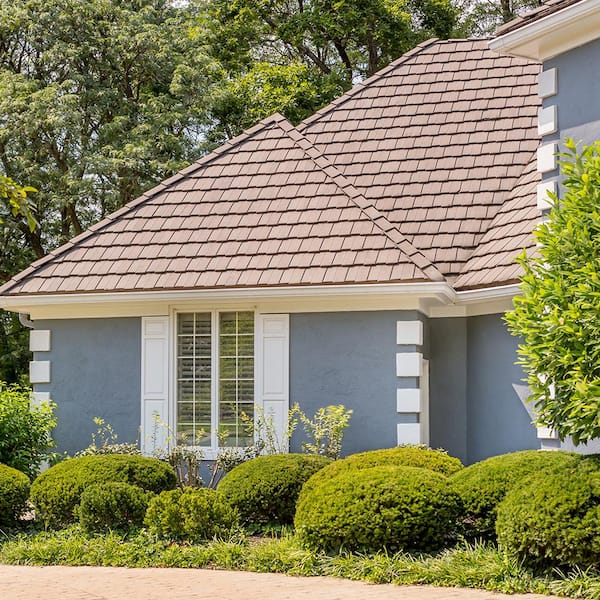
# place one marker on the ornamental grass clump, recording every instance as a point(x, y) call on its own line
point(265, 490)
point(56, 493)
point(191, 515)
point(366, 510)
point(483, 485)
point(14, 491)
point(553, 519)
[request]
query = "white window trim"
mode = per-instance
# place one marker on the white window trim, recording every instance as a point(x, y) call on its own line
point(209, 452)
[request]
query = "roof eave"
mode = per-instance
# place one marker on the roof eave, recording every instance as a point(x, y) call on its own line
point(553, 34)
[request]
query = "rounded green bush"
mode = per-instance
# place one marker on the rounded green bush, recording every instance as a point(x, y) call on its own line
point(397, 508)
point(553, 519)
point(14, 491)
point(192, 514)
point(483, 485)
point(400, 456)
point(112, 506)
point(56, 493)
point(264, 490)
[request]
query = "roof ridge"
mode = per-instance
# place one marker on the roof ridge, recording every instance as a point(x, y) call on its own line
point(334, 104)
point(144, 197)
point(391, 231)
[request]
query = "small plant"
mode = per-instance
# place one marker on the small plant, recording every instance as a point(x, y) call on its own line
point(113, 506)
point(325, 430)
point(14, 491)
point(105, 441)
point(190, 515)
point(25, 429)
point(185, 461)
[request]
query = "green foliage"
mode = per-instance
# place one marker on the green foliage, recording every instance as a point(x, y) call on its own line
point(400, 456)
point(14, 197)
point(112, 506)
point(106, 441)
point(56, 493)
point(265, 490)
point(190, 515)
point(397, 508)
point(14, 491)
point(553, 519)
point(556, 315)
point(25, 429)
point(481, 18)
point(483, 485)
point(325, 431)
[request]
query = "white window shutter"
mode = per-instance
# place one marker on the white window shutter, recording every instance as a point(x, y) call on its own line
point(155, 384)
point(272, 370)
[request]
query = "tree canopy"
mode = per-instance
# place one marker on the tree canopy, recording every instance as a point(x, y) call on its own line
point(557, 314)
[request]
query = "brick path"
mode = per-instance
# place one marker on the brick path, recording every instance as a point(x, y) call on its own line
point(103, 583)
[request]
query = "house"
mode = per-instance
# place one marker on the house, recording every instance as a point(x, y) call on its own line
point(364, 257)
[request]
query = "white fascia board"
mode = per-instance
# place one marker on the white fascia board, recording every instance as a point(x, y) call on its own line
point(554, 34)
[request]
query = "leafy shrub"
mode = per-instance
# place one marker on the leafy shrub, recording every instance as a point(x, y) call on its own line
point(483, 485)
point(56, 492)
point(553, 519)
point(397, 508)
point(14, 491)
point(190, 514)
point(25, 429)
point(106, 441)
point(265, 489)
point(112, 506)
point(401, 456)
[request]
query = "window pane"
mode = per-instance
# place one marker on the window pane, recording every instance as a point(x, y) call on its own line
point(245, 345)
point(245, 368)
point(227, 322)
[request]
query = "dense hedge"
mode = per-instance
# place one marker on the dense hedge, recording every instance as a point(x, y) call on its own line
point(113, 506)
point(56, 492)
point(483, 485)
point(264, 490)
point(553, 519)
point(401, 456)
point(397, 508)
point(190, 515)
point(14, 491)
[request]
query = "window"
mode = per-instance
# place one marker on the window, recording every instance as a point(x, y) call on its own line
point(215, 378)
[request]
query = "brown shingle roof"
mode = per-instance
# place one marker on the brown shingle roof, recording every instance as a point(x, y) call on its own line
point(266, 209)
point(437, 141)
point(547, 8)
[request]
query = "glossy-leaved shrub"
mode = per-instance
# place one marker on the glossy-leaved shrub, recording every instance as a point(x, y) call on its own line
point(396, 508)
point(56, 493)
point(14, 491)
point(264, 490)
point(553, 519)
point(400, 456)
point(113, 506)
point(483, 485)
point(191, 514)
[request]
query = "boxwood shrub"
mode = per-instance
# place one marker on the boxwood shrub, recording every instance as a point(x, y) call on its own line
point(553, 519)
point(113, 506)
point(396, 508)
point(56, 493)
point(14, 491)
point(401, 456)
point(192, 515)
point(264, 490)
point(483, 485)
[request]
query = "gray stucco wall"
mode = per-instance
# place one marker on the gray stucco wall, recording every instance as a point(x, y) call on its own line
point(95, 372)
point(349, 358)
point(497, 420)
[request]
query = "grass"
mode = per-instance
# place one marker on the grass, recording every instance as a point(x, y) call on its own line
point(475, 566)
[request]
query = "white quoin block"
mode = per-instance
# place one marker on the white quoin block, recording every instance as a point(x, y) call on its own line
point(547, 120)
point(543, 200)
point(409, 332)
point(546, 158)
point(409, 433)
point(546, 433)
point(408, 364)
point(39, 371)
point(548, 83)
point(39, 340)
point(408, 401)
point(38, 398)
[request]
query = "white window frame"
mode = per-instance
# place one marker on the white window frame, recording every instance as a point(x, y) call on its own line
point(210, 452)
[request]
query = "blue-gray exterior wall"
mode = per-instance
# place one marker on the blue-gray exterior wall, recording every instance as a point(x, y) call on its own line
point(349, 358)
point(95, 371)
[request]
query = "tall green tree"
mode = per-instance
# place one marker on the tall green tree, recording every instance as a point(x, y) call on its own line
point(556, 315)
point(482, 17)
